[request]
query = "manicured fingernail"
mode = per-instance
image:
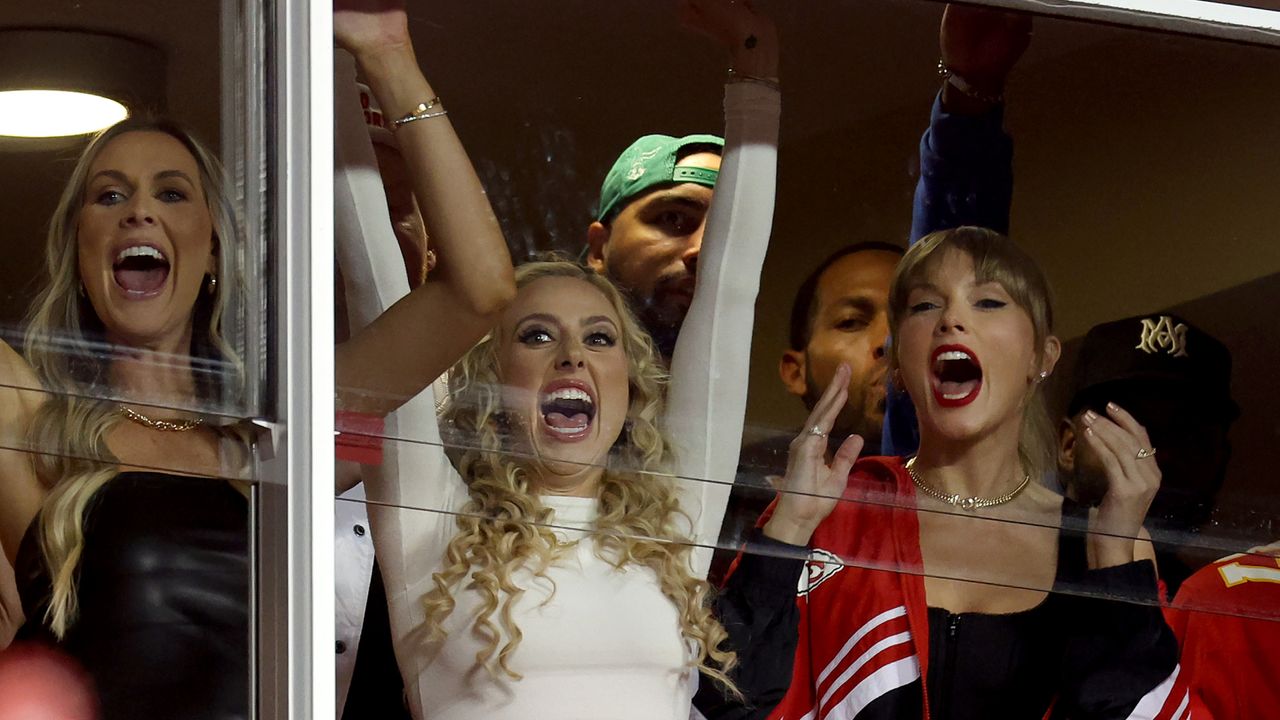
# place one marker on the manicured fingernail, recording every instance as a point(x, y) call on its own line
point(1089, 417)
point(1088, 431)
point(1112, 407)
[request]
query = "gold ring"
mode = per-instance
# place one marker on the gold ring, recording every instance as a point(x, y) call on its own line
point(1143, 453)
point(815, 430)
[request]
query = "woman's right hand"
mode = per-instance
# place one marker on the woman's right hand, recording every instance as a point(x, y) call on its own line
point(1133, 478)
point(982, 45)
point(811, 488)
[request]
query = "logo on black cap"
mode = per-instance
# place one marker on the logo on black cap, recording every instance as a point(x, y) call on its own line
point(1161, 334)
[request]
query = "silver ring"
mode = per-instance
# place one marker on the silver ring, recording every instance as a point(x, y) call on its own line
point(1143, 453)
point(815, 430)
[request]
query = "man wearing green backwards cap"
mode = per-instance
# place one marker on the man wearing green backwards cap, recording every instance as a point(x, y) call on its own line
point(648, 230)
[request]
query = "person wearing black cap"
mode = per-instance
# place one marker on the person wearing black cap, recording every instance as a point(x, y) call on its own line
point(1176, 380)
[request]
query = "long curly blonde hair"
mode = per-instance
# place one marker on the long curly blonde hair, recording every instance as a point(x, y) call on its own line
point(504, 527)
point(65, 346)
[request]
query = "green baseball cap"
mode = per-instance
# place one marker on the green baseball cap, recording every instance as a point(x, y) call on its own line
point(648, 163)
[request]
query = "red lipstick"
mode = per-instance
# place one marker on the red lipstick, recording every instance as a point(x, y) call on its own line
point(956, 376)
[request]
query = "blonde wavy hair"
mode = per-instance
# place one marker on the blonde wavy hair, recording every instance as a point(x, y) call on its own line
point(995, 259)
point(504, 527)
point(65, 345)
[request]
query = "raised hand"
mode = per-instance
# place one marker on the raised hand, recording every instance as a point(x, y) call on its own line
point(811, 488)
point(365, 26)
point(750, 36)
point(1133, 477)
point(982, 45)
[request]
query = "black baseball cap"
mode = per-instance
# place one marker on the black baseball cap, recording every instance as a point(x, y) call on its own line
point(1159, 357)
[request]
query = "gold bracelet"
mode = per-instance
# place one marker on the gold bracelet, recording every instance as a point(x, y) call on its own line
point(421, 112)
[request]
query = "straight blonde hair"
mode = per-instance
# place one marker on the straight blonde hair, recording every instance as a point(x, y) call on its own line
point(66, 348)
point(995, 259)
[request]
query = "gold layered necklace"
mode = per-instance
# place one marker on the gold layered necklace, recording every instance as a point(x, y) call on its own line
point(157, 424)
point(969, 503)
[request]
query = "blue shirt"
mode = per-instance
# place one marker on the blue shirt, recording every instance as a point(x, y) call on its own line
point(966, 178)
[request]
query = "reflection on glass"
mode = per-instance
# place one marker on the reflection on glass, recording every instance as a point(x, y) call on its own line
point(967, 568)
point(563, 405)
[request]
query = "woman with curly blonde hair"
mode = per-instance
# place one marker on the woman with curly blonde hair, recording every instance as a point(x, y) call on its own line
point(597, 457)
point(561, 574)
point(559, 570)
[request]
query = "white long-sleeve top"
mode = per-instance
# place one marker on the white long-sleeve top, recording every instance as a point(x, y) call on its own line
point(607, 643)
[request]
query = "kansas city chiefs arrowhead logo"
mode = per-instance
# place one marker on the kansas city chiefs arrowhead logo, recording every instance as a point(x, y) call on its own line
point(822, 565)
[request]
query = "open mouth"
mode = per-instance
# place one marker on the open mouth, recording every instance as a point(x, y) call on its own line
point(957, 375)
point(568, 410)
point(140, 270)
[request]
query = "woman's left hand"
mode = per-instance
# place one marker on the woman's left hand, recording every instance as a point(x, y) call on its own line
point(749, 35)
point(365, 26)
point(1133, 477)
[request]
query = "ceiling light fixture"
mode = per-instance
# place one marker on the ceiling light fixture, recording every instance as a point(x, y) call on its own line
point(58, 83)
point(56, 113)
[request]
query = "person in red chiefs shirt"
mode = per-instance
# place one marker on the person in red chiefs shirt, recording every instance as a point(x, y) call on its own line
point(1227, 619)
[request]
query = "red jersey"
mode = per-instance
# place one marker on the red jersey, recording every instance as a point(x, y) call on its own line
point(864, 631)
point(1227, 618)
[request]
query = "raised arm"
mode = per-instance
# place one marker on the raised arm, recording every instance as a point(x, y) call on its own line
point(21, 492)
point(966, 159)
point(708, 396)
point(414, 488)
point(415, 340)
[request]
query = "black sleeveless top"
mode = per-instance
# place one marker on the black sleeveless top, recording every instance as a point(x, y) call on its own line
point(1007, 666)
point(163, 593)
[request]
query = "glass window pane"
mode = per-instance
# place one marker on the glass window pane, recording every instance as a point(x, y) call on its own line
point(133, 290)
point(1123, 175)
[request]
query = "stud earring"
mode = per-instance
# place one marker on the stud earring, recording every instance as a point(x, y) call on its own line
point(1044, 375)
point(212, 285)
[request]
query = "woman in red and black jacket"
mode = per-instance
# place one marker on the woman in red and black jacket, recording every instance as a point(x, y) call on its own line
point(950, 584)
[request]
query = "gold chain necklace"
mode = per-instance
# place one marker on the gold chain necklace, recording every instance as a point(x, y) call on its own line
point(969, 503)
point(162, 425)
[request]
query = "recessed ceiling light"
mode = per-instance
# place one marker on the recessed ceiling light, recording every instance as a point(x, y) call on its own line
point(56, 113)
point(67, 83)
